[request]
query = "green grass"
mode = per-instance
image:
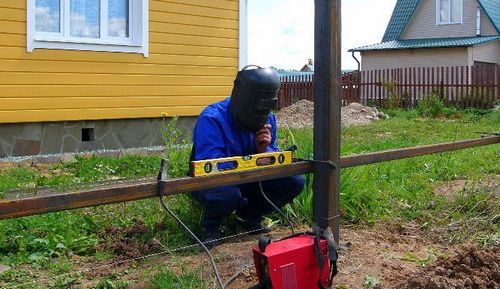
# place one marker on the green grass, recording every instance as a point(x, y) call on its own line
point(167, 278)
point(400, 189)
point(76, 174)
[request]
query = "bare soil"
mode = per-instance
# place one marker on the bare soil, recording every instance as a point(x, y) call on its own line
point(469, 268)
point(388, 255)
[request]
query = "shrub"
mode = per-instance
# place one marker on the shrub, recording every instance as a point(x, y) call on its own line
point(479, 98)
point(431, 106)
point(394, 99)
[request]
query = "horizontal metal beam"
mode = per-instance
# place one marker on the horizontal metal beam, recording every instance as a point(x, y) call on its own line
point(33, 205)
point(11, 208)
point(383, 156)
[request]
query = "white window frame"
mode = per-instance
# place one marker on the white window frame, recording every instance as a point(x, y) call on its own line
point(138, 29)
point(438, 13)
point(243, 27)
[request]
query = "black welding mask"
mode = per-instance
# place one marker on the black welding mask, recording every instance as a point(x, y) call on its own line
point(254, 96)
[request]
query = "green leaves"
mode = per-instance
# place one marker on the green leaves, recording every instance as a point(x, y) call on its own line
point(177, 147)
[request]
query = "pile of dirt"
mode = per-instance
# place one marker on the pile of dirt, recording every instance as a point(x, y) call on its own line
point(126, 243)
point(469, 268)
point(301, 114)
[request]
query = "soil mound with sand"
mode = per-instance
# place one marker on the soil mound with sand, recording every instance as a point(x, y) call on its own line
point(301, 114)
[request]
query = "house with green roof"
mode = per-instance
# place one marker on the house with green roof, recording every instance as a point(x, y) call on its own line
point(431, 33)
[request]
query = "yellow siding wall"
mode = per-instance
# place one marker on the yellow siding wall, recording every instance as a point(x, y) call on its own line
point(193, 58)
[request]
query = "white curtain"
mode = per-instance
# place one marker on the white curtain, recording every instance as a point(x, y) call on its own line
point(118, 18)
point(48, 18)
point(85, 18)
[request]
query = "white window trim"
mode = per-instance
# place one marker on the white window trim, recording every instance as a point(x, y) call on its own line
point(138, 41)
point(243, 41)
point(438, 12)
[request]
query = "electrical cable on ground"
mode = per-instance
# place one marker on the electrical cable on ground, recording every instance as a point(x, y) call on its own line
point(161, 193)
point(210, 257)
point(290, 224)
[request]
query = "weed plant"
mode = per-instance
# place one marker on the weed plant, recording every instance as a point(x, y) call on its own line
point(177, 147)
point(472, 213)
point(394, 100)
point(431, 106)
point(168, 278)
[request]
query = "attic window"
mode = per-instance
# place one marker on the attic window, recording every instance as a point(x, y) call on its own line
point(449, 11)
point(98, 25)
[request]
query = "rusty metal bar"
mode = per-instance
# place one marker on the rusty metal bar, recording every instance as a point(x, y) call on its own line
point(383, 156)
point(11, 208)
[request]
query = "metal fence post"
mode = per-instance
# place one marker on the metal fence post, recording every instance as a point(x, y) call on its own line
point(327, 102)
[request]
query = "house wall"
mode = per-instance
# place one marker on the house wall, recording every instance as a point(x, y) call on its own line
point(414, 58)
point(193, 58)
point(487, 27)
point(489, 52)
point(48, 97)
point(423, 22)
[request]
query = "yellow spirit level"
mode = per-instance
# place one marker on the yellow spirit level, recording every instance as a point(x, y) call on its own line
point(240, 163)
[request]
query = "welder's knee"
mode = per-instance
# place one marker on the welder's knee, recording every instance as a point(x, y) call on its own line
point(297, 184)
point(224, 202)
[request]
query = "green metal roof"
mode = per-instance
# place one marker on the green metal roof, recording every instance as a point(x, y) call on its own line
point(428, 43)
point(492, 9)
point(401, 15)
point(404, 10)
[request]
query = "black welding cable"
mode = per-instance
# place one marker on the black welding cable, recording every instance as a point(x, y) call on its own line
point(210, 257)
point(290, 224)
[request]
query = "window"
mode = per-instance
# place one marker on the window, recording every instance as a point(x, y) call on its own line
point(99, 25)
point(448, 12)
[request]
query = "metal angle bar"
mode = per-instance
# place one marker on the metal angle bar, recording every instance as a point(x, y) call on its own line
point(382, 156)
point(11, 208)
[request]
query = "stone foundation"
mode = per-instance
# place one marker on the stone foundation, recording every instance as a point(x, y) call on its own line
point(29, 139)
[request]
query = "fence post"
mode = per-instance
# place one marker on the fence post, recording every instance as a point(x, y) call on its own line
point(327, 93)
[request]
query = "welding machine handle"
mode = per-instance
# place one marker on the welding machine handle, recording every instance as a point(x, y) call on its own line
point(263, 242)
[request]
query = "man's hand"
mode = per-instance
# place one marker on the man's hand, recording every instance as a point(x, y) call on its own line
point(263, 138)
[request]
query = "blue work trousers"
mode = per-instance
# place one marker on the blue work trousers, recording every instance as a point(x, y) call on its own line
point(248, 202)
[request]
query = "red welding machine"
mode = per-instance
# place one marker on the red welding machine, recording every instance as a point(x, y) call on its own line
point(303, 261)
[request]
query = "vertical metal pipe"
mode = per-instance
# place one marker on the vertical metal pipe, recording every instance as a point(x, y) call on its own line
point(327, 101)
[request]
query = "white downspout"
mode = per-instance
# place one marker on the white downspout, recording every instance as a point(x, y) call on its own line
point(243, 27)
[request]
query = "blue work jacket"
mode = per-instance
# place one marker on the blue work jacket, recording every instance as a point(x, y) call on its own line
point(217, 135)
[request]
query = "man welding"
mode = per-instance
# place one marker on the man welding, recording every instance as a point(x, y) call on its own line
point(240, 125)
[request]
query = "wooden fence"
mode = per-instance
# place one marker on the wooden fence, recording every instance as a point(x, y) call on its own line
point(462, 86)
point(295, 88)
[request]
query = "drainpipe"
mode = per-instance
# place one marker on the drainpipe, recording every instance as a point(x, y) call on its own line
point(358, 78)
point(354, 56)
